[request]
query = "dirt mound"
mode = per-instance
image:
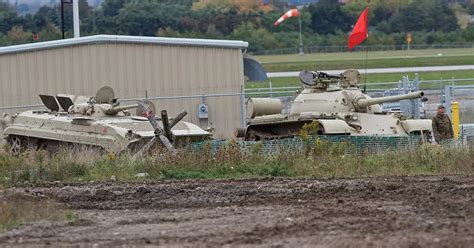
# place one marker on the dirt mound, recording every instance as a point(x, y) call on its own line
point(399, 211)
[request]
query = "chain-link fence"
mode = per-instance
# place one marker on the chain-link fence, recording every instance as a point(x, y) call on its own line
point(464, 95)
point(333, 143)
point(466, 134)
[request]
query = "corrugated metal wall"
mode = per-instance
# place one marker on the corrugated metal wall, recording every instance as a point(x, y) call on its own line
point(131, 69)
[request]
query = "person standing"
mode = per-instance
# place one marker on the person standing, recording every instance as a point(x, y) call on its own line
point(442, 126)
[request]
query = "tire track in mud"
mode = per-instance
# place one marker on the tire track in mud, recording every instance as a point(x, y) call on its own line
point(396, 211)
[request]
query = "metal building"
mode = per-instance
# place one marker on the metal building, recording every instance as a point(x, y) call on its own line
point(175, 73)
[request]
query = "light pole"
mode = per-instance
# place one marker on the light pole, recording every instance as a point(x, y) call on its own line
point(75, 7)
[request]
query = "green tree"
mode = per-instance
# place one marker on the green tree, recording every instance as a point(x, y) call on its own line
point(8, 17)
point(258, 38)
point(147, 18)
point(112, 7)
point(329, 18)
point(18, 36)
point(468, 33)
point(423, 15)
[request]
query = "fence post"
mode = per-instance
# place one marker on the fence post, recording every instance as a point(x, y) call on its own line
point(271, 89)
point(447, 99)
point(242, 108)
point(455, 118)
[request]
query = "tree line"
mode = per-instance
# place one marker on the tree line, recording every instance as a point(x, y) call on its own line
point(325, 23)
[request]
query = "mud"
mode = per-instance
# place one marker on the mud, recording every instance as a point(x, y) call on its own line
point(379, 212)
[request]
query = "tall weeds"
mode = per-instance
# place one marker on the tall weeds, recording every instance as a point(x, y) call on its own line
point(317, 159)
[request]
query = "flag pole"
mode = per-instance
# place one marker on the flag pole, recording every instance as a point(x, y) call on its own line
point(359, 34)
point(366, 53)
point(366, 61)
point(301, 37)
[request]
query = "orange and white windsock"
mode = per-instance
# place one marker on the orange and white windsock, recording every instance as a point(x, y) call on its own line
point(290, 13)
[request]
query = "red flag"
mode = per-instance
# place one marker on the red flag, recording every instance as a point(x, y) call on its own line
point(359, 33)
point(290, 13)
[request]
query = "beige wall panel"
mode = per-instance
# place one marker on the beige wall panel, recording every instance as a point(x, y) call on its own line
point(104, 72)
point(12, 72)
point(66, 71)
point(50, 71)
point(158, 67)
point(30, 77)
point(21, 84)
point(12, 75)
point(165, 75)
point(10, 92)
point(13, 79)
point(131, 75)
point(4, 79)
point(58, 58)
point(90, 71)
point(161, 70)
point(121, 64)
point(88, 78)
point(146, 75)
point(95, 63)
point(41, 76)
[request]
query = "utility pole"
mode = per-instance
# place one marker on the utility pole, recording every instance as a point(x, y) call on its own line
point(62, 12)
point(62, 18)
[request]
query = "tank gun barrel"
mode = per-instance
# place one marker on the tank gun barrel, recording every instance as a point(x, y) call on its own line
point(327, 76)
point(362, 103)
point(116, 110)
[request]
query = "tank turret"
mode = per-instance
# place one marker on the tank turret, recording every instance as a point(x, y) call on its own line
point(103, 104)
point(339, 93)
point(337, 104)
point(97, 110)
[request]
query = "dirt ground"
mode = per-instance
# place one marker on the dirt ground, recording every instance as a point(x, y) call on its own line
point(379, 212)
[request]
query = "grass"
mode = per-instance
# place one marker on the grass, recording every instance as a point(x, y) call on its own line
point(379, 59)
point(361, 55)
point(376, 78)
point(316, 160)
point(17, 210)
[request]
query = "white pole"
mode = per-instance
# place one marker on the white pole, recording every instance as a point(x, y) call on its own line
point(301, 53)
point(75, 8)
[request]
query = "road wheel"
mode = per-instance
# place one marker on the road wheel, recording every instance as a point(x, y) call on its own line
point(16, 144)
point(252, 135)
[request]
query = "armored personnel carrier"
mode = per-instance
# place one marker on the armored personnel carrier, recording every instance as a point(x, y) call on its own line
point(337, 105)
point(99, 122)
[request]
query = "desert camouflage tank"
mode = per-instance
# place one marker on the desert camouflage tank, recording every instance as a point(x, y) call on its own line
point(337, 105)
point(98, 122)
